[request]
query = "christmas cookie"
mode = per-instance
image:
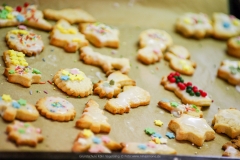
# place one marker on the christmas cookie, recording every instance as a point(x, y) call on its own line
point(227, 121)
point(230, 71)
point(178, 51)
point(178, 109)
point(93, 118)
point(107, 63)
point(131, 97)
point(25, 41)
point(147, 148)
point(66, 36)
point(27, 15)
point(100, 34)
point(17, 69)
point(225, 26)
point(149, 54)
point(86, 141)
point(56, 108)
point(233, 46)
point(231, 148)
point(71, 15)
point(24, 134)
point(186, 91)
point(73, 82)
point(193, 129)
point(11, 109)
point(196, 25)
point(112, 86)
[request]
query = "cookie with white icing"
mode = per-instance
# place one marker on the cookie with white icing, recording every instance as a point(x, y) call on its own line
point(197, 25)
point(100, 34)
point(147, 148)
point(233, 46)
point(225, 26)
point(23, 133)
point(67, 37)
point(73, 82)
point(194, 129)
point(149, 54)
point(227, 121)
point(25, 41)
point(93, 118)
point(107, 63)
point(56, 108)
point(178, 109)
point(17, 109)
point(186, 91)
point(131, 97)
point(17, 69)
point(230, 71)
point(28, 15)
point(112, 86)
point(231, 148)
point(86, 141)
point(72, 15)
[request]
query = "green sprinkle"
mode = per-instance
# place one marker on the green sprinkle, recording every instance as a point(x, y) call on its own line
point(195, 107)
point(21, 131)
point(11, 71)
point(111, 82)
point(26, 125)
point(174, 104)
point(36, 71)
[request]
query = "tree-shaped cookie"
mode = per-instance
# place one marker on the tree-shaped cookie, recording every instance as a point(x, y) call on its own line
point(67, 37)
point(107, 63)
point(147, 148)
point(197, 25)
point(152, 43)
point(178, 57)
point(56, 108)
point(28, 15)
point(93, 118)
point(25, 41)
point(131, 97)
point(20, 109)
point(17, 69)
point(225, 26)
point(193, 129)
point(24, 133)
point(178, 109)
point(227, 121)
point(73, 82)
point(230, 71)
point(186, 91)
point(100, 34)
point(112, 86)
point(86, 141)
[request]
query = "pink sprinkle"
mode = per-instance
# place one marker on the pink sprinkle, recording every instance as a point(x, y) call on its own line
point(38, 130)
point(45, 92)
point(22, 27)
point(105, 139)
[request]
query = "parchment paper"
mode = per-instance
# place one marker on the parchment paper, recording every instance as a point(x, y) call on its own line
point(131, 18)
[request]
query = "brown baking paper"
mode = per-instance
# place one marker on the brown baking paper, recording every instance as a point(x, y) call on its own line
point(131, 18)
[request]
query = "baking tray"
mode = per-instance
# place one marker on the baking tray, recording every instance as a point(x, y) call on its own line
point(131, 17)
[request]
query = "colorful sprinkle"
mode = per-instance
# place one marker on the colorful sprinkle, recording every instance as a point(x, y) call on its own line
point(170, 135)
point(22, 102)
point(158, 123)
point(156, 135)
point(96, 140)
point(142, 146)
point(16, 105)
point(149, 131)
point(6, 97)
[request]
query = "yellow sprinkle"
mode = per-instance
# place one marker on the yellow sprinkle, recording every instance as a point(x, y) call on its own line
point(157, 140)
point(6, 97)
point(87, 133)
point(16, 31)
point(64, 72)
point(72, 31)
point(71, 77)
point(15, 62)
point(186, 67)
point(236, 22)
point(187, 20)
point(11, 52)
point(76, 40)
point(10, 16)
point(79, 77)
point(8, 8)
point(158, 122)
point(20, 54)
point(23, 63)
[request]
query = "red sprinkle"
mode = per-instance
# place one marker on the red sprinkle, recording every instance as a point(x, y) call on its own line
point(19, 8)
point(177, 74)
point(42, 82)
point(203, 94)
point(45, 92)
point(189, 84)
point(181, 86)
point(26, 4)
point(49, 82)
point(172, 79)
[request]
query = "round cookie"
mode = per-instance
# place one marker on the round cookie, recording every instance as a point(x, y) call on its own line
point(25, 41)
point(56, 108)
point(74, 82)
point(233, 46)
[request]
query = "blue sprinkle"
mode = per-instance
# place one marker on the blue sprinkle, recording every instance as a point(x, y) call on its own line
point(157, 135)
point(96, 140)
point(16, 105)
point(142, 146)
point(226, 24)
point(64, 78)
point(170, 135)
point(20, 18)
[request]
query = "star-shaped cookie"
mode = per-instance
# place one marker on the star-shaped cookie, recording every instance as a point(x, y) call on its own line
point(24, 133)
point(227, 121)
point(193, 129)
